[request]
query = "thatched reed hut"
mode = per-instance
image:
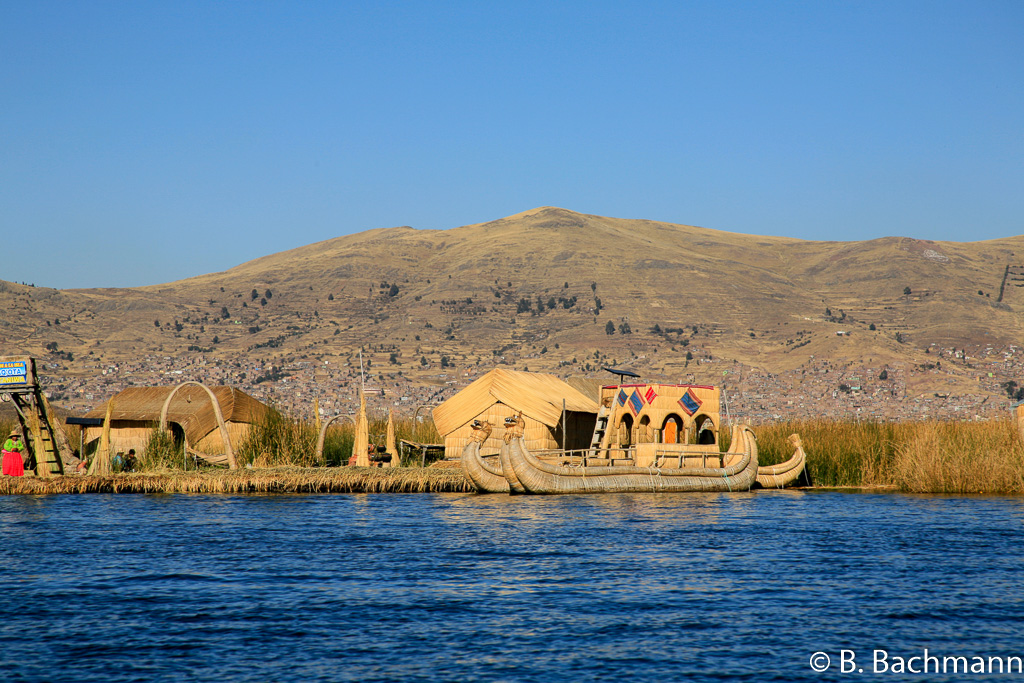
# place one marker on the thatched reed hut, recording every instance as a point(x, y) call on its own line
point(190, 416)
point(507, 393)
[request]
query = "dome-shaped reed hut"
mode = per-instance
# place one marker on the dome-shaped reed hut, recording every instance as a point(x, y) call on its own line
point(190, 415)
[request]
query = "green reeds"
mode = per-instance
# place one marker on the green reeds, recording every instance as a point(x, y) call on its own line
point(6, 427)
point(838, 453)
point(161, 453)
point(281, 440)
point(278, 440)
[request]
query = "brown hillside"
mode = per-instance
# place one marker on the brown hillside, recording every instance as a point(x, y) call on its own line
point(525, 290)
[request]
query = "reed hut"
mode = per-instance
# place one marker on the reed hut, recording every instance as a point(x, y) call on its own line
point(507, 393)
point(190, 416)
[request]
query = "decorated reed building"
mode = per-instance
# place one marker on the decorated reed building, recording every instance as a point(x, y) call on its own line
point(191, 416)
point(539, 398)
point(659, 413)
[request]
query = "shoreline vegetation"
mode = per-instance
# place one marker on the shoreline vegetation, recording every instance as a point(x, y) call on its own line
point(279, 456)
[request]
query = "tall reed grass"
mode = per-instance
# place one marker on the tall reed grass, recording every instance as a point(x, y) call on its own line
point(161, 453)
point(6, 426)
point(936, 457)
point(278, 439)
point(282, 440)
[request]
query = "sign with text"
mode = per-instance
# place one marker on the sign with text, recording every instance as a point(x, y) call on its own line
point(13, 372)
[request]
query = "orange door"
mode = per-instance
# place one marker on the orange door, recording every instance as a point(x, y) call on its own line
point(671, 432)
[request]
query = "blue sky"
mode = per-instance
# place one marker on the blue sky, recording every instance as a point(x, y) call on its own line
point(144, 142)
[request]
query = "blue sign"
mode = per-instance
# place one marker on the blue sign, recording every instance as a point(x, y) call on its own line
point(13, 372)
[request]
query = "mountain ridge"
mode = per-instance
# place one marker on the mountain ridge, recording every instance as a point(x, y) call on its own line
point(553, 279)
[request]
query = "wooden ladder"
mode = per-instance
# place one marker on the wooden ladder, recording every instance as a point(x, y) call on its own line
point(38, 424)
point(600, 428)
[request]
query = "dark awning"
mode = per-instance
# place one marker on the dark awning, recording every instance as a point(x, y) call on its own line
point(85, 421)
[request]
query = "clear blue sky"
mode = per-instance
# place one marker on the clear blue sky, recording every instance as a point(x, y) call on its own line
point(143, 142)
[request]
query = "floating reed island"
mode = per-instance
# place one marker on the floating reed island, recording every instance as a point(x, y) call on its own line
point(917, 457)
point(242, 481)
point(288, 454)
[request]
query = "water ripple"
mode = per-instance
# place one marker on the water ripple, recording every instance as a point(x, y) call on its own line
point(459, 587)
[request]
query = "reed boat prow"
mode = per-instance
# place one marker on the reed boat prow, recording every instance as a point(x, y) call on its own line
point(513, 433)
point(486, 477)
point(785, 473)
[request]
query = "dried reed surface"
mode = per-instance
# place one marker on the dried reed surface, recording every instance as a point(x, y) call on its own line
point(923, 457)
point(270, 480)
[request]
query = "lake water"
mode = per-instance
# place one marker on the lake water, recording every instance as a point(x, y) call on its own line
point(453, 587)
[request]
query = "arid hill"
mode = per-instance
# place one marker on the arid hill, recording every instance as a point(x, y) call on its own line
point(551, 290)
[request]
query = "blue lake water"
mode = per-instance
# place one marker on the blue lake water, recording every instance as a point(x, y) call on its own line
point(453, 587)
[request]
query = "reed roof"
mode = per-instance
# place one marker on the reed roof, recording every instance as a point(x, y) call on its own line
point(539, 396)
point(588, 386)
point(190, 408)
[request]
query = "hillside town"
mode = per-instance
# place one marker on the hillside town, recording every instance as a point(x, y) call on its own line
point(818, 389)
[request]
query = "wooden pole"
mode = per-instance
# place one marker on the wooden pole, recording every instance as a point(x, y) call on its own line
point(565, 439)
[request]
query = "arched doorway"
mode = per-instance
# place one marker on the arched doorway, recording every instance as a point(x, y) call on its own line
point(705, 429)
point(645, 433)
point(626, 431)
point(672, 430)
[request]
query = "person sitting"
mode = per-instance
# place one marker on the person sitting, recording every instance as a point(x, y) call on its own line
point(13, 452)
point(117, 462)
point(129, 461)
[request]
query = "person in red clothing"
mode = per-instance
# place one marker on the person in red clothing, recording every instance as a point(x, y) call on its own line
point(12, 454)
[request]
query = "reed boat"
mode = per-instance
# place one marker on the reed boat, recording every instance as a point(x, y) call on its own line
point(492, 473)
point(652, 467)
point(671, 430)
